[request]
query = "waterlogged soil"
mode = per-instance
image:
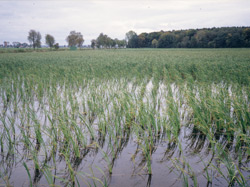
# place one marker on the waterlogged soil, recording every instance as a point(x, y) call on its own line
point(123, 155)
point(127, 171)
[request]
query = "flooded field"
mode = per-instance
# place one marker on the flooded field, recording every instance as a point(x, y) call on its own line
point(125, 118)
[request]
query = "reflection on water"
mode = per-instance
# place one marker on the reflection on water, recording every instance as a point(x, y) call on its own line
point(125, 133)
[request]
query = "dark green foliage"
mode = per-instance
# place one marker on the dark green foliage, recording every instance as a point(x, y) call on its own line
point(132, 39)
point(104, 41)
point(167, 40)
point(225, 37)
point(49, 40)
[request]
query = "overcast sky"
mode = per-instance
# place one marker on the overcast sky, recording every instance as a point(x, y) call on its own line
point(115, 17)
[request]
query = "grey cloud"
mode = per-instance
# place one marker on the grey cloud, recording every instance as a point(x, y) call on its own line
point(115, 18)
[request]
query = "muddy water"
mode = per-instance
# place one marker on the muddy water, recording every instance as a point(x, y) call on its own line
point(127, 171)
point(190, 155)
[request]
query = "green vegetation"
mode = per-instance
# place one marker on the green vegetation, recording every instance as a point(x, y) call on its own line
point(230, 37)
point(73, 117)
point(24, 50)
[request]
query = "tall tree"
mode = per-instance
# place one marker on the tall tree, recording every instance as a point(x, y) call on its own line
point(143, 40)
point(34, 38)
point(120, 43)
point(75, 39)
point(166, 40)
point(50, 40)
point(132, 39)
point(93, 44)
point(100, 41)
point(104, 40)
point(80, 40)
point(246, 34)
point(154, 43)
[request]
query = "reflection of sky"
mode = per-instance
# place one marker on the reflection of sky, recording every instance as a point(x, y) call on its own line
point(115, 17)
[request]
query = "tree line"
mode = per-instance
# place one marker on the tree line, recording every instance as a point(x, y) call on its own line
point(104, 41)
point(75, 39)
point(34, 37)
point(224, 37)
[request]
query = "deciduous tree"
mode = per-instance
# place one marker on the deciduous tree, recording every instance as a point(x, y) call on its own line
point(75, 39)
point(34, 38)
point(50, 40)
point(93, 44)
point(132, 39)
point(154, 43)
